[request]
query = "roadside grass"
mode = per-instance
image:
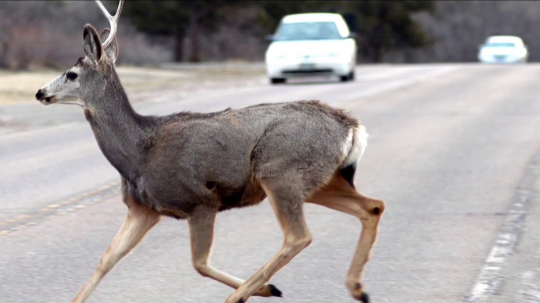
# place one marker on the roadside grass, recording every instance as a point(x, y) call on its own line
point(17, 87)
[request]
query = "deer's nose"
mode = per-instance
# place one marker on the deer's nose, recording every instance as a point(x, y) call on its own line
point(39, 94)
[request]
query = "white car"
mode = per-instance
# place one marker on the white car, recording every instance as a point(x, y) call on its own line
point(503, 49)
point(314, 44)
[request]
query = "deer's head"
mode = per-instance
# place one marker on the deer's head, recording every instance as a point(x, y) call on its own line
point(91, 74)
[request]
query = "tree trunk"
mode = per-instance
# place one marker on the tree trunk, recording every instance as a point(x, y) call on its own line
point(179, 46)
point(384, 13)
point(377, 53)
point(4, 52)
point(194, 56)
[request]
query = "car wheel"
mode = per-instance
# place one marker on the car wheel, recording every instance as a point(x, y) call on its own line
point(277, 80)
point(344, 78)
point(351, 76)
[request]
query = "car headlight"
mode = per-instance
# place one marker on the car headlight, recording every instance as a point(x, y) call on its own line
point(339, 55)
point(275, 56)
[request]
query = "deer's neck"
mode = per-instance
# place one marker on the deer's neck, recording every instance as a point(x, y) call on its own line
point(119, 131)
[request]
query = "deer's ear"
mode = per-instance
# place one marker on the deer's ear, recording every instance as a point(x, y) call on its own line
point(92, 43)
point(112, 50)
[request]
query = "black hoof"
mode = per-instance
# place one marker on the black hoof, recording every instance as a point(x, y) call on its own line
point(364, 298)
point(274, 291)
point(241, 301)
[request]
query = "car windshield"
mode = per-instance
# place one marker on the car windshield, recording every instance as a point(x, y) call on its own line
point(500, 44)
point(308, 31)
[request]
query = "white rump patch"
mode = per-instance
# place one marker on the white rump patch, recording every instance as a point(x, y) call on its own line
point(354, 146)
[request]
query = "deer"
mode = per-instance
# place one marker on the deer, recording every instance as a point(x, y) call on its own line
point(192, 166)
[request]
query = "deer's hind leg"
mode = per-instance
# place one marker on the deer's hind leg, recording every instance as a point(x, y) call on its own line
point(201, 226)
point(341, 196)
point(287, 202)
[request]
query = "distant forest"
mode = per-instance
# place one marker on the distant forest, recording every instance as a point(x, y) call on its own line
point(49, 33)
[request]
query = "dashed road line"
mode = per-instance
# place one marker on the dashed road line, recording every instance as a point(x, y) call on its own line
point(59, 208)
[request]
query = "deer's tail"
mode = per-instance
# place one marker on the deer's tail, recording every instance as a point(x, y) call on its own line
point(354, 147)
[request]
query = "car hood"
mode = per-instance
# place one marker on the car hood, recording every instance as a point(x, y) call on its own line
point(310, 47)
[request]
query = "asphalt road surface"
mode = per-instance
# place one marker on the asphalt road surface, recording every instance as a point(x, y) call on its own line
point(454, 151)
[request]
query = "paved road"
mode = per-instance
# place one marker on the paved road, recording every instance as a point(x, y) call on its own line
point(454, 151)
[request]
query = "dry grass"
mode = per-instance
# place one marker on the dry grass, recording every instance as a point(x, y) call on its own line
point(16, 87)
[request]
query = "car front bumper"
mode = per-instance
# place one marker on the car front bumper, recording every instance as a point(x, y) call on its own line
point(502, 59)
point(311, 69)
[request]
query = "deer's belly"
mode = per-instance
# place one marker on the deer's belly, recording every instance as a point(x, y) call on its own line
point(179, 198)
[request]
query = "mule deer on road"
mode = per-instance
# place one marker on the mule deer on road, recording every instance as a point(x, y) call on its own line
point(191, 166)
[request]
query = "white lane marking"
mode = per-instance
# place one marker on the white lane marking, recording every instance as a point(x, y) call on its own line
point(388, 86)
point(530, 279)
point(490, 278)
point(384, 73)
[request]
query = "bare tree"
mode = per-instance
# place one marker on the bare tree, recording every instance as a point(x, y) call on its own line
point(26, 24)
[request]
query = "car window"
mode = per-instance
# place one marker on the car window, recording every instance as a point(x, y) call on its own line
point(308, 31)
point(501, 44)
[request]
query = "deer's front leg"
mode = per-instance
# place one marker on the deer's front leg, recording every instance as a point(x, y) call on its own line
point(139, 220)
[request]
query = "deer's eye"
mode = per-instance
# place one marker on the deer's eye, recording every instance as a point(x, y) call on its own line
point(71, 76)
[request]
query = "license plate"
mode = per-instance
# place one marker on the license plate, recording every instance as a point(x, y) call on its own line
point(500, 57)
point(307, 66)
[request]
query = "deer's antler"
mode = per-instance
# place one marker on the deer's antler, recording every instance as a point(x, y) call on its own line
point(113, 20)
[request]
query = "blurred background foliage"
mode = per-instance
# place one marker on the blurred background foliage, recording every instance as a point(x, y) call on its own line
point(46, 33)
point(380, 25)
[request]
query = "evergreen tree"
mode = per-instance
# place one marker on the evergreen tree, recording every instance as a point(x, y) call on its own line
point(385, 25)
point(178, 19)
